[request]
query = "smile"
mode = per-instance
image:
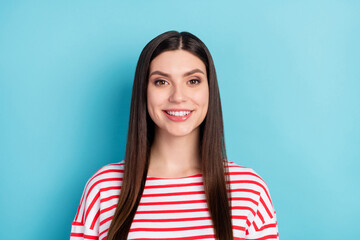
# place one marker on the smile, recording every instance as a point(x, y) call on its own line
point(178, 115)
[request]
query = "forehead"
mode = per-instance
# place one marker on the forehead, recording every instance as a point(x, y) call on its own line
point(176, 61)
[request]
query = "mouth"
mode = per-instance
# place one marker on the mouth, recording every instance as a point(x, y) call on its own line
point(178, 115)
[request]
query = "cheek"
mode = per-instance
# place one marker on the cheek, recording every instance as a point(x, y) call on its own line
point(202, 99)
point(150, 104)
point(155, 101)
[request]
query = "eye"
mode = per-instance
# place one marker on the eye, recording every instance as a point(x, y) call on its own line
point(194, 81)
point(160, 82)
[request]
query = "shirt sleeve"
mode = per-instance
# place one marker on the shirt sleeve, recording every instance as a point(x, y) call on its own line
point(85, 225)
point(264, 224)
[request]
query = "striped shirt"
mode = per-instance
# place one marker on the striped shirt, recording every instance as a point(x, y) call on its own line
point(175, 208)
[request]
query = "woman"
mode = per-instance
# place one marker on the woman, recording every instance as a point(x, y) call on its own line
point(175, 181)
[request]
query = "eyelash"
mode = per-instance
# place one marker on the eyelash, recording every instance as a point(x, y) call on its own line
point(197, 81)
point(158, 82)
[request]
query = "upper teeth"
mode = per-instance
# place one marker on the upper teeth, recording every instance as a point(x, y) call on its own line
point(179, 113)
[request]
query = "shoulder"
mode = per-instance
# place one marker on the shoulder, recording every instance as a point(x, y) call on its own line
point(245, 177)
point(107, 174)
point(249, 191)
point(109, 170)
point(107, 180)
point(108, 177)
point(234, 169)
point(246, 182)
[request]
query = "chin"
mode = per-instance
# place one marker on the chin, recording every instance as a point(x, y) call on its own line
point(180, 132)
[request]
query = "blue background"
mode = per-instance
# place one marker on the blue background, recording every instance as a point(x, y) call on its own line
point(288, 72)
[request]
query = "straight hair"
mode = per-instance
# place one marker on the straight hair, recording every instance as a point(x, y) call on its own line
point(141, 135)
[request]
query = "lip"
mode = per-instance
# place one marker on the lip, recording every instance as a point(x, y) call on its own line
point(177, 109)
point(177, 118)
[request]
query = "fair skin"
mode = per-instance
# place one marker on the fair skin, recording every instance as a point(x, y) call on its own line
point(177, 101)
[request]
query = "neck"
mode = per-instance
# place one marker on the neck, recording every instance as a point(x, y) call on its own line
point(173, 156)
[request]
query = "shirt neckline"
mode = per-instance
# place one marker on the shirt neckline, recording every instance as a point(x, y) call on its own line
point(160, 178)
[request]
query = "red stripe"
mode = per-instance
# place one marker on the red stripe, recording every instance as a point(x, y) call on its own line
point(183, 219)
point(193, 210)
point(100, 181)
point(106, 220)
point(170, 229)
point(110, 188)
point(91, 205)
point(193, 194)
point(107, 171)
point(240, 228)
point(255, 225)
point(95, 220)
point(96, 183)
point(108, 209)
point(155, 178)
point(97, 173)
point(117, 164)
point(173, 220)
point(253, 182)
point(77, 224)
point(173, 194)
point(172, 202)
point(266, 208)
point(273, 236)
point(239, 217)
point(180, 238)
point(201, 183)
point(260, 216)
point(109, 198)
point(174, 185)
point(243, 208)
point(245, 190)
point(83, 236)
point(103, 232)
point(190, 201)
point(173, 211)
point(245, 173)
point(196, 193)
point(271, 225)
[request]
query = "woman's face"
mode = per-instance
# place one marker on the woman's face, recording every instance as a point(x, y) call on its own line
point(178, 92)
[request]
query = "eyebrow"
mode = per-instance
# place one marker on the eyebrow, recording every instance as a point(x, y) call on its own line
point(196, 70)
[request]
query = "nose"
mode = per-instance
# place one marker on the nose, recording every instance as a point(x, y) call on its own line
point(177, 94)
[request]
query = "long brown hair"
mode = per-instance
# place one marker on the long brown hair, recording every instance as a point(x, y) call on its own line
point(141, 136)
